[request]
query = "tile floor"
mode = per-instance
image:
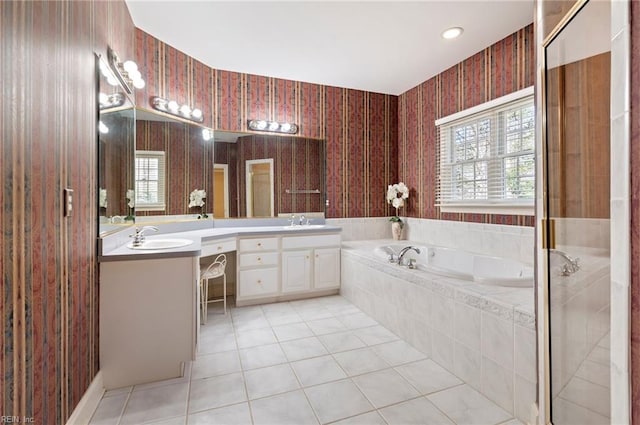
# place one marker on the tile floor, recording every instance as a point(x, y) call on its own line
point(316, 361)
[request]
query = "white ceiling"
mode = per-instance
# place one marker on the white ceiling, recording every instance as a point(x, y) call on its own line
point(378, 46)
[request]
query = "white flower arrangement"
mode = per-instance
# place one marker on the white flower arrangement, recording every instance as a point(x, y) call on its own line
point(131, 197)
point(397, 194)
point(196, 199)
point(103, 198)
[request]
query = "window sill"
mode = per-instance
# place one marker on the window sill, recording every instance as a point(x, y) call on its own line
point(150, 208)
point(508, 209)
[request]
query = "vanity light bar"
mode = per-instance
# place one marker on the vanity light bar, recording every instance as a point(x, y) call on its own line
point(273, 126)
point(172, 107)
point(126, 72)
point(108, 101)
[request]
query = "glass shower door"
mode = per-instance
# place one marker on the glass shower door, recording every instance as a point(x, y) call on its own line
point(577, 87)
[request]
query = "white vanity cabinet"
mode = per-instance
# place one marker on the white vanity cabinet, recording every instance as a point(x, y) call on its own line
point(258, 267)
point(148, 319)
point(287, 267)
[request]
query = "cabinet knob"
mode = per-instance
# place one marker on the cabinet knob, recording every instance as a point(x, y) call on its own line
point(219, 248)
point(307, 257)
point(259, 282)
point(259, 243)
point(259, 259)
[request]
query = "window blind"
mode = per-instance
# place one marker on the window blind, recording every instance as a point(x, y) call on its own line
point(150, 180)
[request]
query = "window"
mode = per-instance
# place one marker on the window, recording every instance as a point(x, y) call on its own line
point(486, 159)
point(150, 177)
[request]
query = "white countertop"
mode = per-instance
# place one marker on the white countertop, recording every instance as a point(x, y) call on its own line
point(124, 253)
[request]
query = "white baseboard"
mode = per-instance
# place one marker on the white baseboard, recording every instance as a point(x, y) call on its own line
point(88, 403)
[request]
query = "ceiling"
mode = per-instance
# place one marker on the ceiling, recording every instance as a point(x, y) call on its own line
point(377, 46)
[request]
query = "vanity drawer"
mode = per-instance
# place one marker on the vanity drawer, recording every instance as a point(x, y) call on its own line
point(258, 259)
point(258, 244)
point(294, 242)
point(217, 247)
point(258, 282)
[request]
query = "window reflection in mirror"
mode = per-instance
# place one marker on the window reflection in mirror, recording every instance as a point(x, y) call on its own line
point(116, 138)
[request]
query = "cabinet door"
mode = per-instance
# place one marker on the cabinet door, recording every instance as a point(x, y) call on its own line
point(326, 268)
point(296, 270)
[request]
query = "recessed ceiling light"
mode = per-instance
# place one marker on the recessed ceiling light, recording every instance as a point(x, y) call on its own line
point(451, 33)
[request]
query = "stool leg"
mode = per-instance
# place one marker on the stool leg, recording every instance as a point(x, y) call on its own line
point(224, 292)
point(206, 298)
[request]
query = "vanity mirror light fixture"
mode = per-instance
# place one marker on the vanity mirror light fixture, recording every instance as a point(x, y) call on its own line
point(127, 72)
point(174, 108)
point(108, 101)
point(207, 134)
point(273, 126)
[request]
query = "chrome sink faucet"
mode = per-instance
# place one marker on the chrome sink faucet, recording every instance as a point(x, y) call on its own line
point(138, 237)
point(301, 222)
point(404, 251)
point(570, 266)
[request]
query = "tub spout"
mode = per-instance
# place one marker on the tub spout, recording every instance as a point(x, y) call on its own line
point(404, 251)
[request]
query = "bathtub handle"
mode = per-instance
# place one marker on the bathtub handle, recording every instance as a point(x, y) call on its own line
point(391, 258)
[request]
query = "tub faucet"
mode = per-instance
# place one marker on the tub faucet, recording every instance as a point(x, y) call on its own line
point(570, 266)
point(138, 237)
point(404, 251)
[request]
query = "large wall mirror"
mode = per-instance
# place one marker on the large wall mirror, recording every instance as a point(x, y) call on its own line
point(270, 176)
point(116, 138)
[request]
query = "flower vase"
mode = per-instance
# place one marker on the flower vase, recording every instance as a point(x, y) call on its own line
point(396, 231)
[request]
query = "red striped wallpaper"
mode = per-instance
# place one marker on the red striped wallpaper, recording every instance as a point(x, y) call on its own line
point(504, 67)
point(49, 299)
point(359, 128)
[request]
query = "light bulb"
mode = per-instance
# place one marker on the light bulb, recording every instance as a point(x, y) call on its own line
point(103, 99)
point(134, 75)
point(273, 126)
point(452, 33)
point(196, 113)
point(173, 106)
point(102, 128)
point(130, 66)
point(112, 80)
point(139, 83)
point(206, 134)
point(261, 125)
point(185, 110)
point(285, 127)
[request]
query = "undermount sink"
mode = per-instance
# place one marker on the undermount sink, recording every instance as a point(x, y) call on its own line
point(162, 244)
point(304, 227)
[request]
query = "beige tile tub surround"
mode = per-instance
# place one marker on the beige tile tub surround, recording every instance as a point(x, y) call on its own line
point(483, 334)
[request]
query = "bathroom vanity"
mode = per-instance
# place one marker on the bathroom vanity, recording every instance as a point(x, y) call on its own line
point(149, 299)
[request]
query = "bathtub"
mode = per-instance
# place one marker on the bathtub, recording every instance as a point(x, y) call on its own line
point(463, 265)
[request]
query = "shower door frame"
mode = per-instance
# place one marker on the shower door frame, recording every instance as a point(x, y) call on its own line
point(620, 251)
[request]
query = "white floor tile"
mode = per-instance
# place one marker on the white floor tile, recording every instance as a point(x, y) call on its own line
point(255, 337)
point(313, 313)
point(427, 376)
point(304, 348)
point(218, 391)
point(262, 356)
point(284, 409)
point(341, 341)
point(385, 387)
point(595, 372)
point(209, 365)
point(292, 331)
point(180, 420)
point(326, 326)
point(270, 381)
point(357, 321)
point(357, 362)
point(318, 370)
point(215, 344)
point(418, 411)
point(374, 335)
point(588, 395)
point(398, 352)
point(466, 406)
point(109, 410)
point(337, 400)
point(567, 413)
point(157, 403)
point(237, 414)
point(371, 418)
point(284, 319)
point(251, 324)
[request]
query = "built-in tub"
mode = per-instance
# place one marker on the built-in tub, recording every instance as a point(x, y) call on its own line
point(464, 265)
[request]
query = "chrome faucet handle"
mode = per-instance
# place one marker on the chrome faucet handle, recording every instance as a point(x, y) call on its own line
point(301, 220)
point(391, 259)
point(292, 220)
